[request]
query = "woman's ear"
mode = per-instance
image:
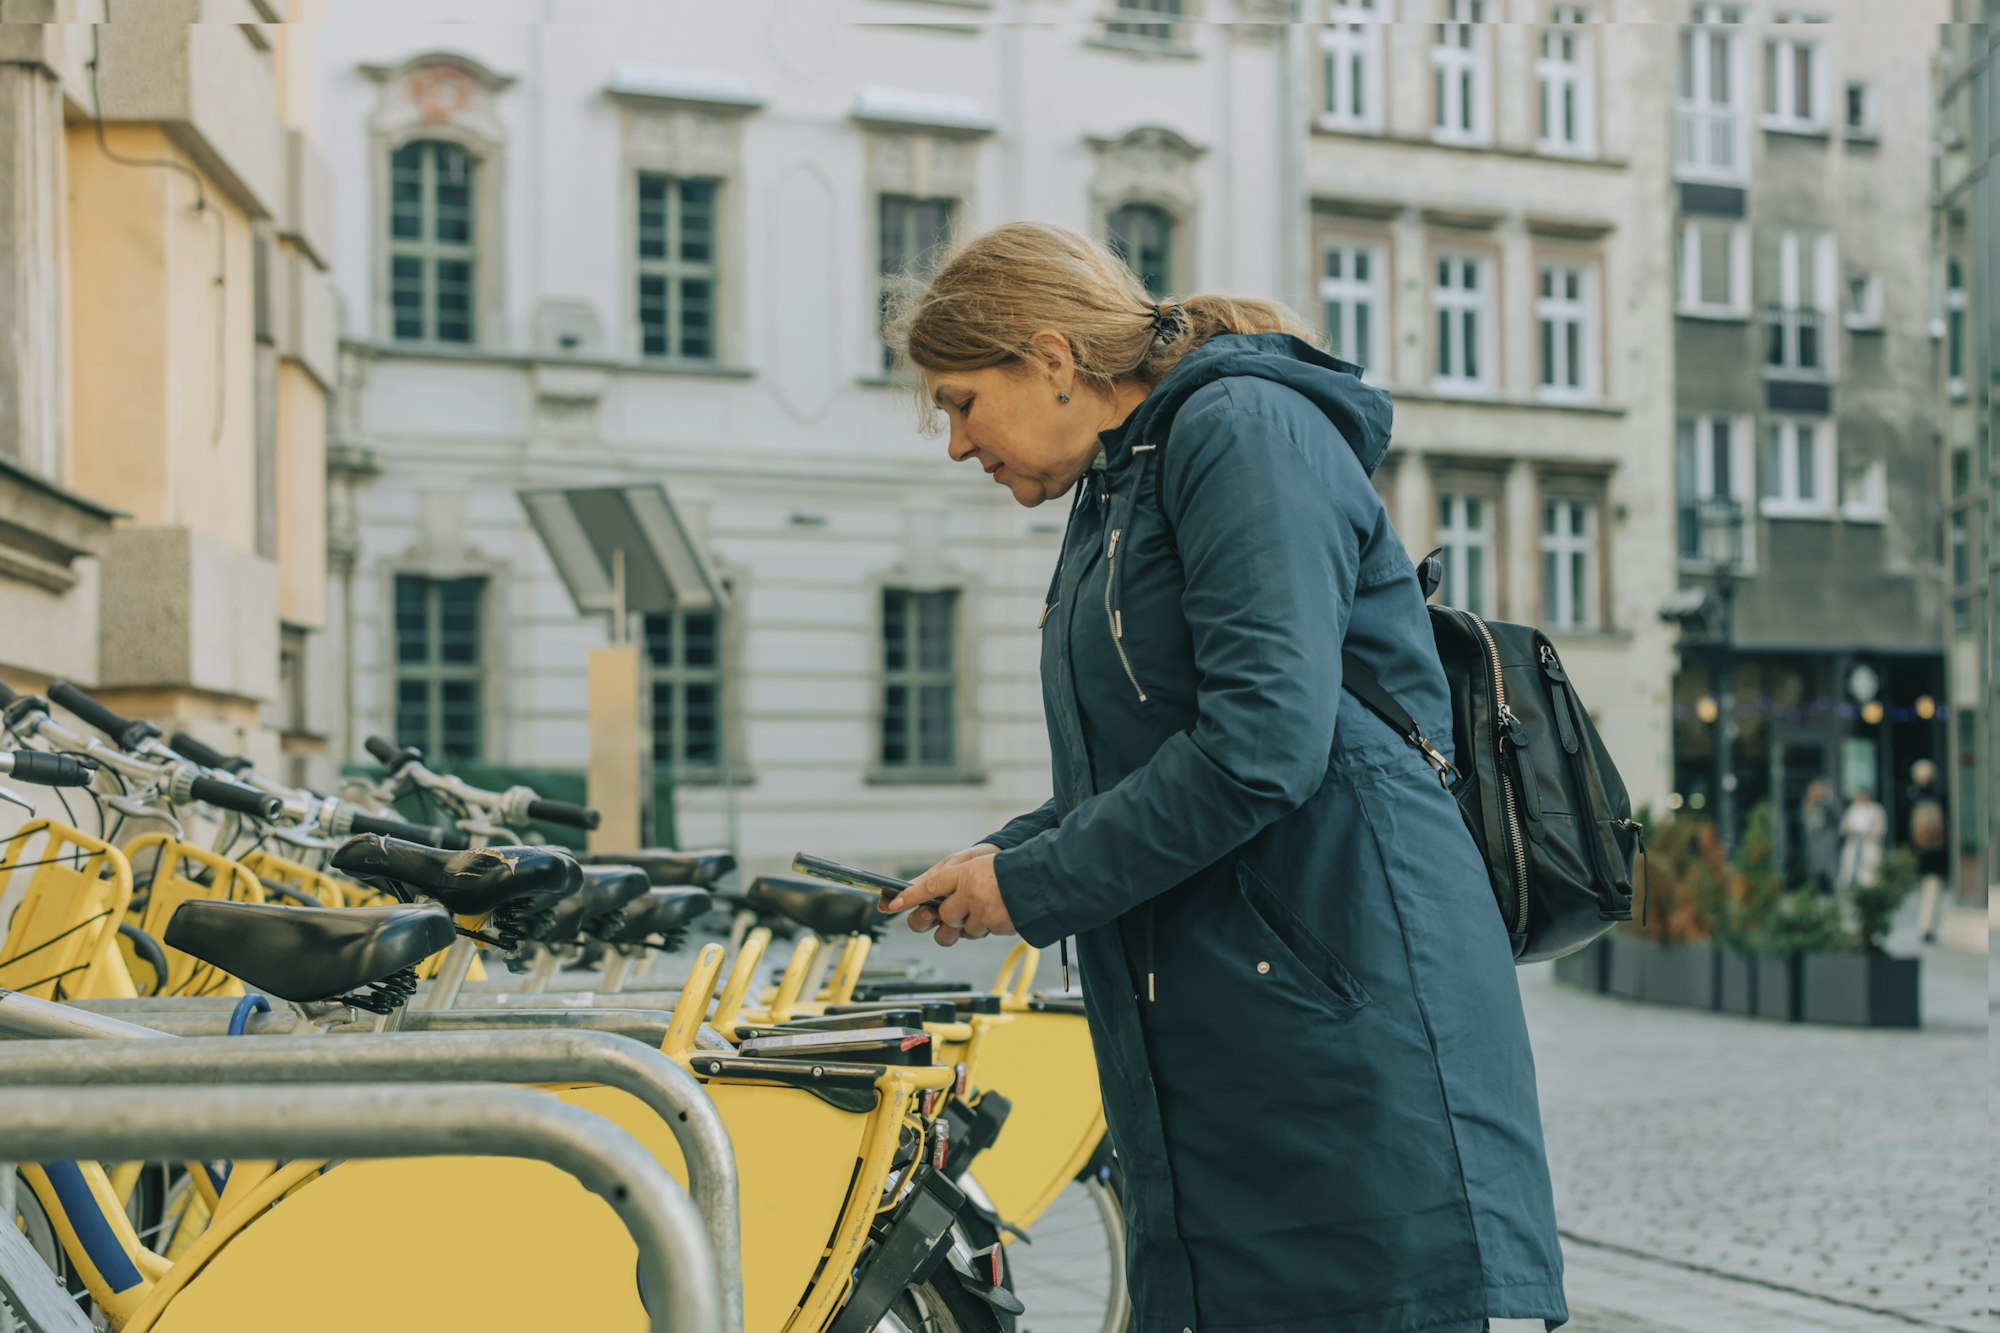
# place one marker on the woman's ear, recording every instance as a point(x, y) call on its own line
point(1051, 351)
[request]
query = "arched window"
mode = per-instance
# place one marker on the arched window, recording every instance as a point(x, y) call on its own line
point(1143, 236)
point(433, 247)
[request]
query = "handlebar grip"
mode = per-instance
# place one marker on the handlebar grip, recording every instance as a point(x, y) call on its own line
point(227, 795)
point(391, 756)
point(124, 730)
point(149, 951)
point(51, 770)
point(430, 835)
point(208, 756)
point(7, 695)
point(562, 812)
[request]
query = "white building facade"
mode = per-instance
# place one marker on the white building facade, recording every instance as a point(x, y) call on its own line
point(595, 248)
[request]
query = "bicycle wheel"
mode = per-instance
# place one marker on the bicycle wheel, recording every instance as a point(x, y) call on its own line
point(1070, 1271)
point(939, 1306)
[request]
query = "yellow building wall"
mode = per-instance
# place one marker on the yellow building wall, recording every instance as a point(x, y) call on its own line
point(157, 434)
point(301, 498)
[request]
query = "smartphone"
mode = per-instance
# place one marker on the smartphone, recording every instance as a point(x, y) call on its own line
point(819, 867)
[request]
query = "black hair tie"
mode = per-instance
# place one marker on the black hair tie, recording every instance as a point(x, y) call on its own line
point(1166, 324)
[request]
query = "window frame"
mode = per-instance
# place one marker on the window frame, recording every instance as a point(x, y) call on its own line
point(1709, 22)
point(1873, 507)
point(434, 672)
point(914, 678)
point(1588, 544)
point(954, 205)
point(1474, 61)
point(426, 249)
point(1119, 19)
point(1447, 527)
point(1779, 496)
point(673, 269)
point(1172, 222)
point(1355, 30)
point(1867, 317)
point(1738, 441)
point(1374, 293)
point(1585, 310)
point(1580, 73)
point(1787, 315)
point(1484, 308)
point(1783, 42)
point(1956, 320)
point(676, 675)
point(1687, 299)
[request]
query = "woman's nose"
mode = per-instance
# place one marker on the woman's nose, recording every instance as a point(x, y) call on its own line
point(958, 448)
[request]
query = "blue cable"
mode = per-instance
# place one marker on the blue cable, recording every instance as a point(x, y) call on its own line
point(239, 1017)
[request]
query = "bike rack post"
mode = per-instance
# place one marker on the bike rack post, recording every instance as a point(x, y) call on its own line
point(551, 1055)
point(150, 1122)
point(444, 988)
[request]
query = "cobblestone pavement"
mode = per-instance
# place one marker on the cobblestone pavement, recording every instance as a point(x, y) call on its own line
point(1716, 1174)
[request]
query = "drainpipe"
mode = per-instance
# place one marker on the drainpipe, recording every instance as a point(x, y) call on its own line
point(1296, 208)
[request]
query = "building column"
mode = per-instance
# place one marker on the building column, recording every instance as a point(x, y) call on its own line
point(34, 372)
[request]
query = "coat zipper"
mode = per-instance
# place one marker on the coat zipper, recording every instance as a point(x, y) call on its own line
point(1115, 619)
point(1510, 802)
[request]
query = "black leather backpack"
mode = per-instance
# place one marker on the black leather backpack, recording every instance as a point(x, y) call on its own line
point(1541, 796)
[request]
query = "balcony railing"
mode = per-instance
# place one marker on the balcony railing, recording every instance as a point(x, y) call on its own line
point(1795, 340)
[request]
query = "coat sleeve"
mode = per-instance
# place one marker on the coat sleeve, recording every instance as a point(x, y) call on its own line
point(1271, 556)
point(1018, 830)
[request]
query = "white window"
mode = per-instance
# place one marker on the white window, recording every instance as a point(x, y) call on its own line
point(1350, 290)
point(1709, 104)
point(1569, 564)
point(1566, 310)
point(1954, 327)
point(1798, 469)
point(1798, 337)
point(1794, 78)
point(1145, 20)
point(1464, 322)
point(1715, 268)
point(1864, 488)
point(1564, 72)
point(1864, 302)
point(1465, 531)
point(1712, 463)
point(1461, 64)
point(1352, 43)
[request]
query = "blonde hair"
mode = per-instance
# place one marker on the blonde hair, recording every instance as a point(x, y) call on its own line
point(988, 298)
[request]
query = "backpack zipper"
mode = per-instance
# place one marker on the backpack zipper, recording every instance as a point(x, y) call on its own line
point(1114, 618)
point(1510, 803)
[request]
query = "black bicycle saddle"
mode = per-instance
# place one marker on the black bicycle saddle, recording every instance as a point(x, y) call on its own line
point(662, 914)
point(821, 907)
point(308, 953)
point(470, 883)
point(594, 907)
point(667, 868)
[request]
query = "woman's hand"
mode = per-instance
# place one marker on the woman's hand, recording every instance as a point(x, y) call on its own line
point(967, 902)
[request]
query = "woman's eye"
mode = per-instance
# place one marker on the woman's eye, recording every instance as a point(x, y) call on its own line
point(965, 408)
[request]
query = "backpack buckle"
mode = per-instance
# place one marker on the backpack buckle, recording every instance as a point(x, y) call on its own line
point(1442, 766)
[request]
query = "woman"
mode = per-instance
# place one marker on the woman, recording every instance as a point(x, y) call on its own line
point(1863, 830)
point(1820, 817)
point(1308, 1030)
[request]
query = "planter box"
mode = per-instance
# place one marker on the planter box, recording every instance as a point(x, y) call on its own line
point(1778, 989)
point(1863, 990)
point(1586, 967)
point(1625, 965)
point(1736, 986)
point(1681, 974)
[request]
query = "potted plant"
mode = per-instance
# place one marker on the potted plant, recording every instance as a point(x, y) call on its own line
point(1864, 985)
point(1665, 957)
point(1738, 904)
point(1801, 924)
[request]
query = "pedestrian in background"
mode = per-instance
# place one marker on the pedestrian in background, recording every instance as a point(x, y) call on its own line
point(1819, 814)
point(1928, 841)
point(1864, 828)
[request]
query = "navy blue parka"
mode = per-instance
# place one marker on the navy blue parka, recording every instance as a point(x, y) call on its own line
point(1308, 1030)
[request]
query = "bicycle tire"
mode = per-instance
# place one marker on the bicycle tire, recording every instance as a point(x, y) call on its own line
point(941, 1305)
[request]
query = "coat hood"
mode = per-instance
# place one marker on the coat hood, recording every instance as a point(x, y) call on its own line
point(1361, 412)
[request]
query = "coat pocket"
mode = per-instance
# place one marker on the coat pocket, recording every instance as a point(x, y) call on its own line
point(1296, 945)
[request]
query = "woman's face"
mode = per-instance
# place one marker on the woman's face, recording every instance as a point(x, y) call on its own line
point(1010, 421)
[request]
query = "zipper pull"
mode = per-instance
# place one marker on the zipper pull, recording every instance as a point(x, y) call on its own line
point(1111, 551)
point(1045, 614)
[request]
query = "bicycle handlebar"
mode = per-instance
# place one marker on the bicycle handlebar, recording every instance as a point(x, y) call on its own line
point(391, 756)
point(207, 756)
point(129, 734)
point(234, 796)
point(429, 835)
point(47, 770)
point(562, 812)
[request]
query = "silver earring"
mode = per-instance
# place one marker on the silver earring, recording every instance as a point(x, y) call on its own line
point(1062, 398)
